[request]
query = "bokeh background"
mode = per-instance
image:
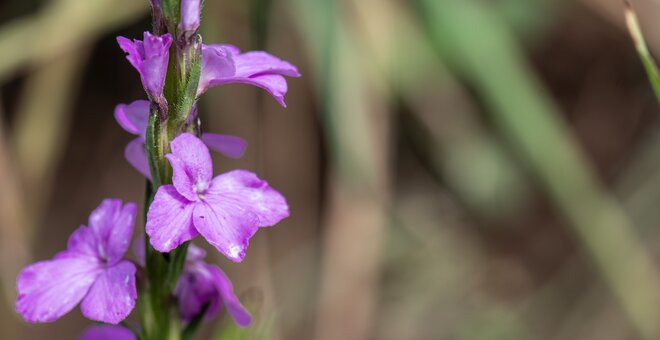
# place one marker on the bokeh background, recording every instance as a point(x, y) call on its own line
point(456, 169)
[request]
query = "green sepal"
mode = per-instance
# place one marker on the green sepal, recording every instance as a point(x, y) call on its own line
point(187, 92)
point(154, 148)
point(172, 14)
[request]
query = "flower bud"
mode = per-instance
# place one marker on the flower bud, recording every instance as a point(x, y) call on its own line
point(190, 11)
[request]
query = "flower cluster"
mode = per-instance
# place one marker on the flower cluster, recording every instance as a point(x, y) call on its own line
point(187, 200)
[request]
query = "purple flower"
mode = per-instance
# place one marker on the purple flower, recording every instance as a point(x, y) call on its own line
point(227, 210)
point(150, 58)
point(104, 332)
point(134, 118)
point(189, 16)
point(224, 64)
point(201, 284)
point(91, 270)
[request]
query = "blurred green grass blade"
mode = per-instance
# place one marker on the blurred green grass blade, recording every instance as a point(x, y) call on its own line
point(356, 121)
point(260, 11)
point(635, 31)
point(482, 50)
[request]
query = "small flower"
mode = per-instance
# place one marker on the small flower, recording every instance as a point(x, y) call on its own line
point(150, 58)
point(201, 284)
point(91, 270)
point(189, 16)
point(227, 210)
point(224, 64)
point(134, 118)
point(104, 332)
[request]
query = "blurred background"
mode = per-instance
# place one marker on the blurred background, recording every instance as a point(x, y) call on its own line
point(456, 169)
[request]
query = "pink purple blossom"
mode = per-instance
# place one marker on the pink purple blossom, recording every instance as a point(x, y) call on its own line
point(204, 284)
point(189, 16)
point(105, 332)
point(150, 58)
point(91, 270)
point(224, 64)
point(226, 210)
point(134, 118)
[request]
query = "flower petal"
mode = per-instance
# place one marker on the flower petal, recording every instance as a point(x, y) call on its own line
point(154, 66)
point(224, 64)
point(133, 117)
point(193, 291)
point(230, 146)
point(134, 51)
point(82, 243)
point(113, 225)
point(245, 189)
point(49, 289)
point(169, 220)
point(226, 225)
point(217, 63)
point(103, 332)
point(195, 253)
point(112, 297)
point(257, 62)
point(150, 58)
point(224, 287)
point(236, 204)
point(273, 83)
point(136, 155)
point(189, 15)
point(202, 284)
point(191, 164)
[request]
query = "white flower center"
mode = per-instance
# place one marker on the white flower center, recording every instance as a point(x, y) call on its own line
point(200, 187)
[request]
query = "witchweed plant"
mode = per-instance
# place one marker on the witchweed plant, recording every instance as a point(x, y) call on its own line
point(171, 285)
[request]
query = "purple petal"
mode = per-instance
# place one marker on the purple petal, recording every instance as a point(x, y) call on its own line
point(191, 164)
point(82, 243)
point(103, 332)
point(189, 15)
point(226, 225)
point(136, 155)
point(113, 225)
point(139, 250)
point(49, 289)
point(255, 63)
point(112, 297)
point(274, 84)
point(150, 58)
point(134, 51)
point(234, 207)
point(245, 189)
point(223, 285)
point(223, 64)
point(133, 117)
point(169, 220)
point(217, 63)
point(230, 146)
point(195, 253)
point(202, 284)
point(193, 291)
